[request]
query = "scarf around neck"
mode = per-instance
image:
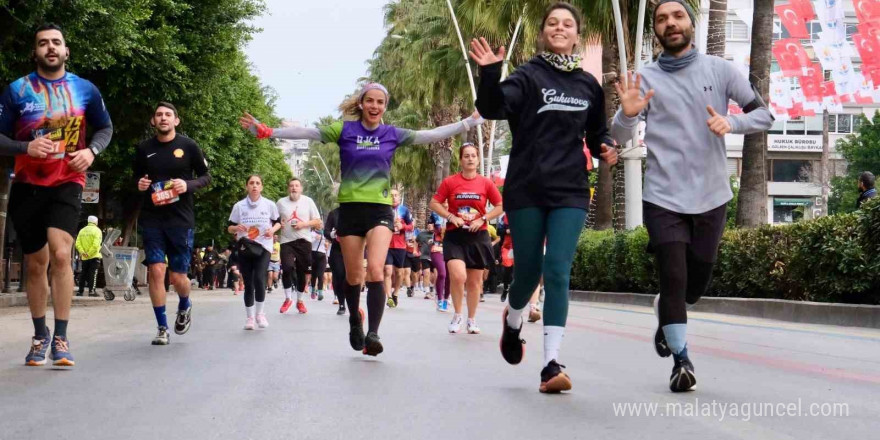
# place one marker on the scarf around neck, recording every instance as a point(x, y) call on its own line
point(671, 64)
point(565, 63)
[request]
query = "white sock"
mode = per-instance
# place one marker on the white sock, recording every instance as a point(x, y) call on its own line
point(514, 317)
point(250, 311)
point(288, 294)
point(259, 306)
point(552, 341)
point(299, 296)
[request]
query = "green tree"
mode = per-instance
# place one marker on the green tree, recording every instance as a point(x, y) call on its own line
point(862, 153)
point(137, 53)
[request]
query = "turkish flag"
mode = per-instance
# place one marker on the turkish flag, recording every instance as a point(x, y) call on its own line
point(804, 9)
point(868, 48)
point(812, 88)
point(792, 20)
point(796, 111)
point(828, 89)
point(867, 10)
point(791, 56)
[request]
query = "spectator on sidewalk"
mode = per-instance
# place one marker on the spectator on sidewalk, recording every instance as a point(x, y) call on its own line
point(88, 244)
point(866, 188)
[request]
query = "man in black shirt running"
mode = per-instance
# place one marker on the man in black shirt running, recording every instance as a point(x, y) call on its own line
point(170, 168)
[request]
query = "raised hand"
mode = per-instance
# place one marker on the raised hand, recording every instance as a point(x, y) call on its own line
point(717, 124)
point(247, 121)
point(631, 100)
point(482, 53)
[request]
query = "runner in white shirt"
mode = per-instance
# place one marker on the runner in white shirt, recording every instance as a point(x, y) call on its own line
point(254, 220)
point(299, 215)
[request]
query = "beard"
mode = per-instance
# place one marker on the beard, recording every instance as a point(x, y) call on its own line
point(687, 37)
point(45, 65)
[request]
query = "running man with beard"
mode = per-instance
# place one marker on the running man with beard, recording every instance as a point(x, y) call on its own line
point(170, 168)
point(46, 120)
point(686, 182)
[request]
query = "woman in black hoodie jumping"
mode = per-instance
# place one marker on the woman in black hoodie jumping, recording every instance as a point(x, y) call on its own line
point(552, 105)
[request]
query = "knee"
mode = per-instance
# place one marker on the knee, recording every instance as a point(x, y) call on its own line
point(61, 257)
point(457, 277)
point(378, 273)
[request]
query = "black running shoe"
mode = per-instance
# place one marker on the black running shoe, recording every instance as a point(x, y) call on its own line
point(409, 292)
point(372, 346)
point(356, 334)
point(682, 378)
point(512, 346)
point(396, 301)
point(553, 379)
point(504, 295)
point(341, 310)
point(660, 345)
point(183, 321)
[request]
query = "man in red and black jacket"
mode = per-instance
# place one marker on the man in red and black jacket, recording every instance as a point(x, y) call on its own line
point(395, 262)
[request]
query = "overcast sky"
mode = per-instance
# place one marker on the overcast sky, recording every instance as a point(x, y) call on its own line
point(313, 51)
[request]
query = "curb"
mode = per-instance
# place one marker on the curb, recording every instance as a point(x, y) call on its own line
point(847, 315)
point(20, 299)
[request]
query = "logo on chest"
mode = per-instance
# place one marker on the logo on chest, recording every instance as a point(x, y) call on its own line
point(559, 102)
point(368, 143)
point(707, 88)
point(33, 107)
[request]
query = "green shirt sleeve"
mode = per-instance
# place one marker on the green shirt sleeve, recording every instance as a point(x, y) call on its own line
point(331, 133)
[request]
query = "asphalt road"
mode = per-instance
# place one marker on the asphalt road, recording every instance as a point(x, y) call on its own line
point(299, 379)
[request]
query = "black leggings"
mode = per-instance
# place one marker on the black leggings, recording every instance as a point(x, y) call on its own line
point(319, 264)
point(507, 277)
point(337, 268)
point(254, 271)
point(683, 280)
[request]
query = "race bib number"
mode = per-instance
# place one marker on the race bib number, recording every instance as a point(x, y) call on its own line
point(467, 214)
point(253, 232)
point(164, 193)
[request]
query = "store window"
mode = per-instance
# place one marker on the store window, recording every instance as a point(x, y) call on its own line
point(789, 170)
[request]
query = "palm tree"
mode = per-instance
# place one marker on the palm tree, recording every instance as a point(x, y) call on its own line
point(752, 205)
point(717, 27)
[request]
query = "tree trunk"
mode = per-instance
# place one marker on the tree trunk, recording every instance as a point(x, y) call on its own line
point(752, 205)
point(603, 200)
point(824, 175)
point(717, 28)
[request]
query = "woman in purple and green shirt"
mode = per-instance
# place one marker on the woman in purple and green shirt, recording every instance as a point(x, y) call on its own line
point(366, 147)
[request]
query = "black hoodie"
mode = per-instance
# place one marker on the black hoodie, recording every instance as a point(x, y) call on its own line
point(550, 112)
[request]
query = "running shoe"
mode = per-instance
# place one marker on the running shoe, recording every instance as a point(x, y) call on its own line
point(356, 330)
point(390, 303)
point(301, 307)
point(341, 310)
point(396, 300)
point(445, 305)
point(286, 305)
point(534, 314)
point(504, 294)
point(335, 301)
point(269, 290)
point(262, 322)
point(439, 305)
point(314, 295)
point(682, 378)
point(249, 324)
point(455, 324)
point(183, 321)
point(162, 337)
point(372, 346)
point(37, 355)
point(553, 379)
point(472, 328)
point(93, 294)
point(409, 292)
point(660, 345)
point(512, 346)
point(482, 297)
point(320, 295)
point(428, 295)
point(61, 356)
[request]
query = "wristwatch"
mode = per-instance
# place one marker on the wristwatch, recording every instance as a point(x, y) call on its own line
point(94, 151)
point(483, 218)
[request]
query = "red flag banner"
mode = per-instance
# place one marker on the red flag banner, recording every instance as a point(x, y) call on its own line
point(812, 88)
point(791, 56)
point(804, 9)
point(828, 89)
point(792, 21)
point(868, 48)
point(867, 10)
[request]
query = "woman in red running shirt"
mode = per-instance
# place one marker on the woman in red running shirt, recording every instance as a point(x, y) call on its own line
point(467, 249)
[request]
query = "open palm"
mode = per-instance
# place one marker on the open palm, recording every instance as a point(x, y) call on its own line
point(482, 53)
point(629, 91)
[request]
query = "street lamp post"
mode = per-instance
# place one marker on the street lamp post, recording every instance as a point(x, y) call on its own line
point(467, 66)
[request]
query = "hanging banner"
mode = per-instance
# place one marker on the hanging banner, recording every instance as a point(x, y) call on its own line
point(92, 189)
point(791, 56)
point(792, 21)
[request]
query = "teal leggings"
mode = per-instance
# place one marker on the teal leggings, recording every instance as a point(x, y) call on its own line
point(529, 227)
